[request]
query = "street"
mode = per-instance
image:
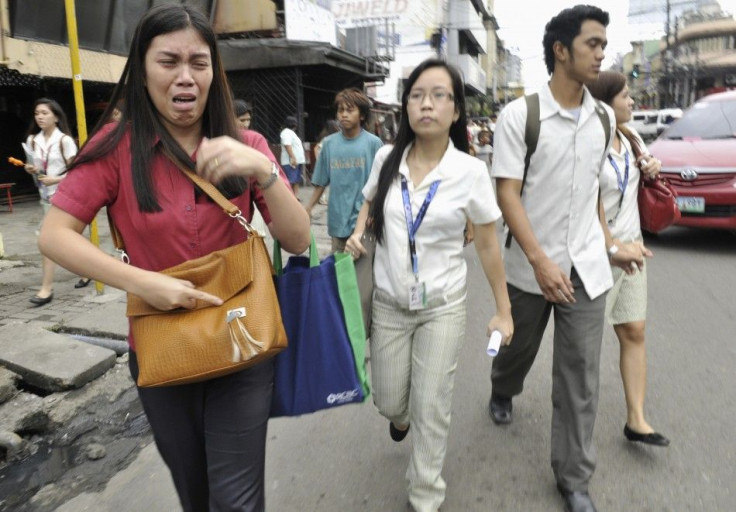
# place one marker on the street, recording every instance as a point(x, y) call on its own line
point(343, 459)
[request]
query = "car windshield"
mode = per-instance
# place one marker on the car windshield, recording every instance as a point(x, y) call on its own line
point(706, 120)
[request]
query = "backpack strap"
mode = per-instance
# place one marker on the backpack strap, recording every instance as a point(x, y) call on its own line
point(605, 120)
point(61, 148)
point(531, 137)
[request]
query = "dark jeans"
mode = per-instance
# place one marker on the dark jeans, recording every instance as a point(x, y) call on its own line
point(212, 436)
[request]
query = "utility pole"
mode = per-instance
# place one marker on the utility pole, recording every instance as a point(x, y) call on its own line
point(71, 24)
point(667, 61)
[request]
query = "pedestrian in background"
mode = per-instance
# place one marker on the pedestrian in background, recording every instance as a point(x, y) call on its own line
point(243, 113)
point(292, 153)
point(557, 259)
point(418, 197)
point(211, 434)
point(51, 149)
point(243, 117)
point(626, 304)
point(331, 126)
point(344, 163)
point(484, 148)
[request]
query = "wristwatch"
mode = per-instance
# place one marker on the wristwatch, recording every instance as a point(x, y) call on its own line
point(272, 179)
point(611, 251)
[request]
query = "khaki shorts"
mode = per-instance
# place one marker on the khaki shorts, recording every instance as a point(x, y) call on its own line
point(627, 300)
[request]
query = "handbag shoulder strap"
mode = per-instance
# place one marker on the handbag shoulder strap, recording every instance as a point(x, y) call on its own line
point(208, 188)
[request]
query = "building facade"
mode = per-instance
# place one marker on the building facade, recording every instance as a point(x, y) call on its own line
point(285, 57)
point(698, 58)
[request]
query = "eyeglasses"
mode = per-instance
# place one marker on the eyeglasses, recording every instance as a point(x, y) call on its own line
point(435, 95)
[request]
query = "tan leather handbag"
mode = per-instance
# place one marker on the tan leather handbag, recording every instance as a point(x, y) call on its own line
point(183, 345)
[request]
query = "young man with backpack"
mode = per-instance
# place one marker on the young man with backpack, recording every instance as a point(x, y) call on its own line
point(557, 258)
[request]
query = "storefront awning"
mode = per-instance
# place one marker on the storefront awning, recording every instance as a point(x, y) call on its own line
point(251, 54)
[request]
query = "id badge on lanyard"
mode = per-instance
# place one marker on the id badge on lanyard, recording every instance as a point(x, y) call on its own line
point(417, 289)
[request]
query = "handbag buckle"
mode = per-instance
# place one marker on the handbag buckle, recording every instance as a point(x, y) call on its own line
point(239, 217)
point(123, 256)
point(232, 314)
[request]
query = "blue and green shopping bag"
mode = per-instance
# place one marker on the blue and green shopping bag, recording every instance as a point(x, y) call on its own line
point(318, 369)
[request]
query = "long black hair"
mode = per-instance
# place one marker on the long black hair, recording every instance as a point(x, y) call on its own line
point(141, 117)
point(55, 108)
point(405, 136)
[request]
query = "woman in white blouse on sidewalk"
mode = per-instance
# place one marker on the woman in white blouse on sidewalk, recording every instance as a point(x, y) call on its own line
point(52, 148)
point(418, 196)
point(626, 303)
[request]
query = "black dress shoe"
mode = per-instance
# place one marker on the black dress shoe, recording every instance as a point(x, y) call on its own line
point(82, 283)
point(396, 434)
point(655, 438)
point(577, 501)
point(500, 408)
point(40, 301)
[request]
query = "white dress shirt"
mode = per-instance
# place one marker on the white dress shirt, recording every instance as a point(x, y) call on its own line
point(49, 151)
point(560, 196)
point(290, 138)
point(623, 221)
point(465, 192)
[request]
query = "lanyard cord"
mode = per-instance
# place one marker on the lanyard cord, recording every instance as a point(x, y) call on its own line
point(413, 225)
point(622, 182)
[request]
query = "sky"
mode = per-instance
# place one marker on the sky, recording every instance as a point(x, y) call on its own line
point(522, 24)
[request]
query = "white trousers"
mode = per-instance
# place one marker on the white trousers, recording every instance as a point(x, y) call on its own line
point(414, 355)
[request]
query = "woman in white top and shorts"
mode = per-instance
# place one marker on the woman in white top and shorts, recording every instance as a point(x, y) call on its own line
point(419, 195)
point(626, 304)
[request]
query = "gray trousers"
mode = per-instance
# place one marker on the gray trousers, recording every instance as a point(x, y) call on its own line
point(575, 368)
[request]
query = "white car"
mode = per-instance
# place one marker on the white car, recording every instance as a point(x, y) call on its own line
point(666, 117)
point(645, 123)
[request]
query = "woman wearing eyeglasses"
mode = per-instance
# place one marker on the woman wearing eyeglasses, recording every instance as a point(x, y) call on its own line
point(418, 196)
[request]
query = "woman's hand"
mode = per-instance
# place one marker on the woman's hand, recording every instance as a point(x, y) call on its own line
point(166, 293)
point(650, 166)
point(49, 180)
point(630, 256)
point(354, 246)
point(504, 324)
point(31, 169)
point(224, 156)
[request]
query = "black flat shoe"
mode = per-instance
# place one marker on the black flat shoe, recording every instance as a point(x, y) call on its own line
point(82, 283)
point(40, 301)
point(655, 438)
point(577, 501)
point(499, 408)
point(396, 434)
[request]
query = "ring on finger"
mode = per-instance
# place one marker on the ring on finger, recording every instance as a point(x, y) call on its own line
point(217, 162)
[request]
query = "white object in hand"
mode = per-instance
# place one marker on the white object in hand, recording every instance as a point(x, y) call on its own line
point(494, 343)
